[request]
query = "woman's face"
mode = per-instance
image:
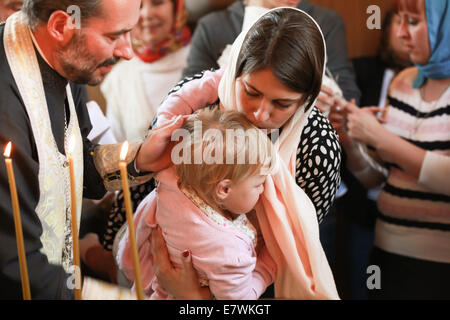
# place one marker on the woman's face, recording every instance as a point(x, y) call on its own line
point(414, 32)
point(156, 21)
point(264, 100)
point(397, 44)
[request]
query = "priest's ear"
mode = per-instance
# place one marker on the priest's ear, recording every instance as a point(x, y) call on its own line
point(60, 27)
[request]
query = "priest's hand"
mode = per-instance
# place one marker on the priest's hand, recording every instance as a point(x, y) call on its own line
point(154, 154)
point(182, 283)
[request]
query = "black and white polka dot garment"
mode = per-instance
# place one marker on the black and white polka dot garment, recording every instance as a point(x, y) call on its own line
point(117, 217)
point(318, 162)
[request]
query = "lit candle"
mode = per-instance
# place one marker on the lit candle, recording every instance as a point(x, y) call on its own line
point(129, 214)
point(18, 225)
point(73, 211)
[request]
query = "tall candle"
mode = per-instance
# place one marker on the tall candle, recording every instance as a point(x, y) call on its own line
point(74, 223)
point(129, 214)
point(18, 225)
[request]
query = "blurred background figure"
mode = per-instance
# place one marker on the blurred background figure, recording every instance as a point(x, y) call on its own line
point(412, 231)
point(392, 57)
point(134, 89)
point(8, 7)
point(133, 92)
point(358, 208)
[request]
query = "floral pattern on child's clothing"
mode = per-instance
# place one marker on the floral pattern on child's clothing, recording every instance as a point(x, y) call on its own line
point(241, 223)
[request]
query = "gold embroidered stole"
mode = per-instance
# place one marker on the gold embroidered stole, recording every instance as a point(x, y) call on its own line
point(53, 209)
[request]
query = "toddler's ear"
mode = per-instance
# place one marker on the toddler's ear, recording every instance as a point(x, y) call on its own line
point(223, 189)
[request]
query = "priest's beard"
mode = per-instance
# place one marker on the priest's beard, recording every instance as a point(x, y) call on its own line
point(79, 65)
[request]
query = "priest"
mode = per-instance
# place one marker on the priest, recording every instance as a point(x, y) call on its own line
point(48, 50)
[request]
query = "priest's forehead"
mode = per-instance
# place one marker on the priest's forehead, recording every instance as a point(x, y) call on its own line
point(11, 4)
point(116, 17)
point(8, 7)
point(8, 3)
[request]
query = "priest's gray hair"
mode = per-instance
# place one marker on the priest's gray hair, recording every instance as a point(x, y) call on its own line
point(39, 11)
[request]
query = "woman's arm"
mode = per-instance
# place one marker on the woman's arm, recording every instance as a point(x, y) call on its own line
point(360, 168)
point(425, 166)
point(363, 126)
point(394, 149)
point(429, 168)
point(432, 174)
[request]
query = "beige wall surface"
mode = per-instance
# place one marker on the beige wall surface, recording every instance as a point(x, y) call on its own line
point(361, 41)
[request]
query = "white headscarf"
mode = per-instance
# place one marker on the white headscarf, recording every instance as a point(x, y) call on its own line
point(292, 130)
point(286, 215)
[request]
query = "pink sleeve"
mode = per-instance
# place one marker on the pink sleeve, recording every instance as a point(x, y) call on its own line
point(192, 96)
point(241, 279)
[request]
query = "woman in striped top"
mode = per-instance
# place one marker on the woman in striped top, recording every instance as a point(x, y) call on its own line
point(412, 236)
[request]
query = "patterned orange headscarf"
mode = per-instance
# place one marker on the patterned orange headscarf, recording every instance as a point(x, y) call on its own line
point(178, 38)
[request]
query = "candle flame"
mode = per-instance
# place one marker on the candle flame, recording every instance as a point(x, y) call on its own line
point(71, 144)
point(7, 153)
point(124, 151)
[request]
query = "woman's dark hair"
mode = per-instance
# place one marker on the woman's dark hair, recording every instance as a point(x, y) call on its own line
point(291, 44)
point(38, 11)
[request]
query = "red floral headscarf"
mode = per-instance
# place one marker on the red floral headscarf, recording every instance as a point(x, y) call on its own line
point(178, 38)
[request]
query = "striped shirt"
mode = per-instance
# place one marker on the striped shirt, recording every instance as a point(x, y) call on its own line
point(414, 220)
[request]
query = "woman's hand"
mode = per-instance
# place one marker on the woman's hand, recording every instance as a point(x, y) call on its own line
point(363, 125)
point(338, 120)
point(181, 283)
point(154, 154)
point(325, 100)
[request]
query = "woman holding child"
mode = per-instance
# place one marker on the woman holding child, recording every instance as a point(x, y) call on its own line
point(273, 77)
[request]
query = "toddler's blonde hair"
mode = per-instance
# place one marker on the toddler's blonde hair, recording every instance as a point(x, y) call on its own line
point(204, 177)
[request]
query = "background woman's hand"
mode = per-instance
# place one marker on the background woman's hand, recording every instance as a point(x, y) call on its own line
point(182, 283)
point(154, 154)
point(338, 120)
point(325, 100)
point(363, 125)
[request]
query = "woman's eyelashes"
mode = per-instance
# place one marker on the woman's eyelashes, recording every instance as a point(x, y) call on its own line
point(251, 94)
point(282, 105)
point(276, 103)
point(413, 21)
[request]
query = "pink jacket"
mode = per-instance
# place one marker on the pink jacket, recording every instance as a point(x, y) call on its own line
point(225, 257)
